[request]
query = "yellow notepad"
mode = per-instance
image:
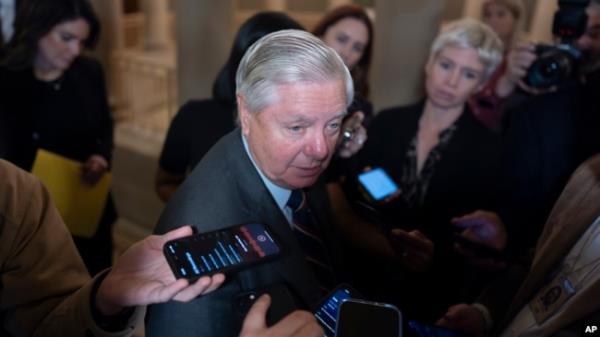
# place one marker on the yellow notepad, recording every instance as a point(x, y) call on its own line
point(79, 204)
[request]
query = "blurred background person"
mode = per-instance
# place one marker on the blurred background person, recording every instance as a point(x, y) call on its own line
point(549, 131)
point(349, 31)
point(200, 123)
point(445, 163)
point(53, 98)
point(506, 18)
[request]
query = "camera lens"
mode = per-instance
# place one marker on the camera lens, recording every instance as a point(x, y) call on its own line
point(553, 66)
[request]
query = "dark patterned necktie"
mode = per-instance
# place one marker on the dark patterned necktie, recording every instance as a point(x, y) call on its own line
point(310, 240)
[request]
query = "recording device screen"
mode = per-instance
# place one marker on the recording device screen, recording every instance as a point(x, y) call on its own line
point(418, 329)
point(221, 251)
point(361, 318)
point(378, 184)
point(327, 312)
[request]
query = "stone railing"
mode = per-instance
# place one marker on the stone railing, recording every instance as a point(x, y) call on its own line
point(145, 87)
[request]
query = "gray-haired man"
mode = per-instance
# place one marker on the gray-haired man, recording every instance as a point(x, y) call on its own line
point(293, 92)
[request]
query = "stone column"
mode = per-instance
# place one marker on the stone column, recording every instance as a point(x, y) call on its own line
point(275, 5)
point(203, 31)
point(156, 24)
point(472, 8)
point(404, 31)
point(336, 3)
point(541, 23)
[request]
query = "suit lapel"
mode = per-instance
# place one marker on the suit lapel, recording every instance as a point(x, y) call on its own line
point(262, 206)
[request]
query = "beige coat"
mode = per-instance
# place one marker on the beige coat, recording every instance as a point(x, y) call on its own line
point(45, 288)
point(575, 210)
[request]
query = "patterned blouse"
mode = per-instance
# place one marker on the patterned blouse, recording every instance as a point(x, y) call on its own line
point(414, 185)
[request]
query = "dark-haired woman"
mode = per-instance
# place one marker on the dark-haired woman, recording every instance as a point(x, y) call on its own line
point(349, 30)
point(52, 98)
point(200, 123)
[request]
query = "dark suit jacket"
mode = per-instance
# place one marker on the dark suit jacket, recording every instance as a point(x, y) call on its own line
point(573, 213)
point(224, 190)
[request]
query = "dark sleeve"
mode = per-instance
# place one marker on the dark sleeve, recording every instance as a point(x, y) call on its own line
point(175, 155)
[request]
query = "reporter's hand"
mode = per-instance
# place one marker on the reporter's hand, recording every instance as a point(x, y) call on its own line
point(359, 135)
point(93, 169)
point(465, 318)
point(142, 276)
point(297, 324)
point(414, 248)
point(486, 228)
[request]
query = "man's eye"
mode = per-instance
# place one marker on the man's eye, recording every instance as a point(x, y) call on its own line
point(295, 128)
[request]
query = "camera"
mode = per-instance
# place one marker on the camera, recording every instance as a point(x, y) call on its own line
point(557, 63)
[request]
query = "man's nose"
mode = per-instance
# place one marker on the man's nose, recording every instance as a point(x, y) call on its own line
point(317, 147)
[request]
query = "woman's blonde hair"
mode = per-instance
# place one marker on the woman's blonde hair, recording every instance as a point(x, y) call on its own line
point(470, 33)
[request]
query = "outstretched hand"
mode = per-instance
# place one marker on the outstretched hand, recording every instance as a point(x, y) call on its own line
point(486, 228)
point(465, 318)
point(358, 135)
point(414, 248)
point(142, 276)
point(297, 324)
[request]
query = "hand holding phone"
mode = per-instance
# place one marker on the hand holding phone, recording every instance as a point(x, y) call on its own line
point(378, 186)
point(418, 329)
point(221, 251)
point(327, 312)
point(415, 249)
point(480, 249)
point(357, 318)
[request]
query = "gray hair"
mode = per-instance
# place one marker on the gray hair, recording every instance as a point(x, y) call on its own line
point(287, 57)
point(470, 33)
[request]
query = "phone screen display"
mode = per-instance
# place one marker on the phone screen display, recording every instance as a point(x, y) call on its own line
point(418, 329)
point(220, 251)
point(362, 318)
point(327, 312)
point(378, 183)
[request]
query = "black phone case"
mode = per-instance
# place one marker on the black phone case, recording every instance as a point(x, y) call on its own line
point(227, 270)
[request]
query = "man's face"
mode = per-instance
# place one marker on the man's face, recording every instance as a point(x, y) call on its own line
point(589, 42)
point(293, 139)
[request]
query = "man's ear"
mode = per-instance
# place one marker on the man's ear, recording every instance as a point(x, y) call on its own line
point(244, 114)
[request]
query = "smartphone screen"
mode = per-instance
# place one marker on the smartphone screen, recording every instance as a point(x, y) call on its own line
point(378, 184)
point(220, 251)
point(327, 312)
point(418, 329)
point(362, 318)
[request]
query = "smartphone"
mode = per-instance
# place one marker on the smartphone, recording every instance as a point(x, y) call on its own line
point(378, 185)
point(222, 251)
point(418, 329)
point(358, 318)
point(480, 248)
point(326, 313)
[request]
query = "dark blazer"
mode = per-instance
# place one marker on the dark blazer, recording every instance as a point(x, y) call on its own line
point(224, 190)
point(74, 121)
point(464, 180)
